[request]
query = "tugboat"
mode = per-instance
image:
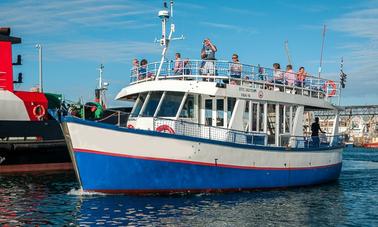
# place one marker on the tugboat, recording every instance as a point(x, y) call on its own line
point(30, 138)
point(207, 130)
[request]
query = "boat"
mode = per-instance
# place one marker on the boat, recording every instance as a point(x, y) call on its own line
point(30, 137)
point(197, 131)
point(371, 143)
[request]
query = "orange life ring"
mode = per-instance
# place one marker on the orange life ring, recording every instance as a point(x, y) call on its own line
point(130, 126)
point(333, 85)
point(165, 128)
point(39, 111)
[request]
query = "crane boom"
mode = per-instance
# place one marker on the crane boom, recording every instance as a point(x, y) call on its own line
point(288, 52)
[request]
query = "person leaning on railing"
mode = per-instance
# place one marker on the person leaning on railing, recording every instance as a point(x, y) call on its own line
point(278, 75)
point(143, 69)
point(187, 67)
point(290, 75)
point(235, 68)
point(301, 76)
point(135, 69)
point(179, 65)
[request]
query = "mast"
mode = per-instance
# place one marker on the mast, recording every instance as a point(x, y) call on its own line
point(39, 47)
point(164, 41)
point(101, 70)
point(102, 87)
point(321, 51)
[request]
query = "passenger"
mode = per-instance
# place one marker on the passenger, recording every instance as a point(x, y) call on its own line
point(135, 69)
point(290, 75)
point(301, 77)
point(278, 76)
point(208, 54)
point(315, 128)
point(187, 67)
point(235, 67)
point(143, 69)
point(179, 65)
point(202, 66)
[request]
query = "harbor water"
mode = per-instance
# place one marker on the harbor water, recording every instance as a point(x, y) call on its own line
point(53, 199)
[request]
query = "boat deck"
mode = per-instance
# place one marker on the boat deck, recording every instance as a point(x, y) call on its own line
point(248, 76)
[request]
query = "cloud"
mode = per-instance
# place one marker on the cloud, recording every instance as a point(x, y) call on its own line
point(54, 16)
point(103, 51)
point(361, 49)
point(74, 29)
point(238, 11)
point(231, 27)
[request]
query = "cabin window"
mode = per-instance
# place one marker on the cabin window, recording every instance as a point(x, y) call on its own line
point(152, 104)
point(261, 117)
point(138, 105)
point(209, 112)
point(254, 116)
point(246, 116)
point(188, 108)
point(220, 112)
point(170, 104)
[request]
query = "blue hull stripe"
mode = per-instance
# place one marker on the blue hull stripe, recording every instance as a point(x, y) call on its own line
point(99, 172)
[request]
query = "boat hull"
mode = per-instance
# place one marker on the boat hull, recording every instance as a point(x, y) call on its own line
point(139, 161)
point(28, 146)
point(371, 145)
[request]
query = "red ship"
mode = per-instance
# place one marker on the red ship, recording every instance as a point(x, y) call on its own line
point(30, 138)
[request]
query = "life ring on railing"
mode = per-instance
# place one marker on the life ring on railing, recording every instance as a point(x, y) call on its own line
point(130, 126)
point(165, 128)
point(39, 111)
point(333, 85)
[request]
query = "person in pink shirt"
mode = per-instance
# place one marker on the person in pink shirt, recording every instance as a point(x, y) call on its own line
point(179, 65)
point(290, 75)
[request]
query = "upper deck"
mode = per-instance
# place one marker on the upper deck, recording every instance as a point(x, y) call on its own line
point(276, 85)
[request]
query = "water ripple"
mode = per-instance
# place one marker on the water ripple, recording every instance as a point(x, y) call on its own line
point(53, 199)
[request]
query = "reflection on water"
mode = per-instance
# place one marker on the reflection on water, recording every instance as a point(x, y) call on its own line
point(51, 199)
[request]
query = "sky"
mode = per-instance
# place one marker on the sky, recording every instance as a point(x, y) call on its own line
point(79, 35)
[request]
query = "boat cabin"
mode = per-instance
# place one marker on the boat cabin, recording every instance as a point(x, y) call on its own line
point(253, 107)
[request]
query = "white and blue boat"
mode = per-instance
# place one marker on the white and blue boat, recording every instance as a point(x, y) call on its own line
point(197, 131)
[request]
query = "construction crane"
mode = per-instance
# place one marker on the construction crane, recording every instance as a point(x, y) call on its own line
point(288, 52)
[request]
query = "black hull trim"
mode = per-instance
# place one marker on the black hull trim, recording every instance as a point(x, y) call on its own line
point(37, 154)
point(32, 146)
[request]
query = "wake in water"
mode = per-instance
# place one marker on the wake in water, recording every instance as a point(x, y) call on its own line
point(359, 165)
point(81, 192)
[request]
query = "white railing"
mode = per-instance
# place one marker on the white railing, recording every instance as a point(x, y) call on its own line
point(184, 128)
point(239, 74)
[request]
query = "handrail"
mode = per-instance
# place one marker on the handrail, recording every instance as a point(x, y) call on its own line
point(181, 127)
point(238, 73)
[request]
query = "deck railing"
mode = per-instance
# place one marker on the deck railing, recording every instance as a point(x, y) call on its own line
point(184, 128)
point(240, 74)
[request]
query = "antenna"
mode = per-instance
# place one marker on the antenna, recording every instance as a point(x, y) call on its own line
point(101, 70)
point(321, 51)
point(39, 47)
point(288, 52)
point(102, 87)
point(164, 41)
